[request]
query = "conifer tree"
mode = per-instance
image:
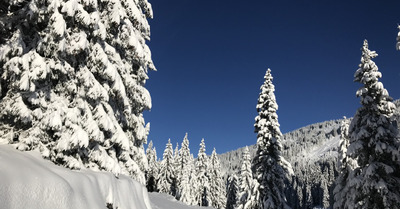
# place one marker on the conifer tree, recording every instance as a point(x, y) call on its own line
point(232, 192)
point(325, 190)
point(248, 193)
point(183, 162)
point(217, 186)
point(344, 143)
point(187, 183)
point(374, 141)
point(269, 167)
point(346, 166)
point(166, 178)
point(202, 187)
point(72, 81)
point(398, 39)
point(176, 155)
point(152, 172)
point(309, 198)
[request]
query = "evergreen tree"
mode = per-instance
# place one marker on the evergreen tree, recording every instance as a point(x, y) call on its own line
point(176, 171)
point(72, 81)
point(152, 172)
point(248, 193)
point(309, 198)
point(176, 155)
point(183, 162)
point(269, 166)
point(373, 141)
point(232, 192)
point(202, 187)
point(325, 190)
point(217, 186)
point(166, 178)
point(187, 183)
point(344, 143)
point(398, 39)
point(346, 166)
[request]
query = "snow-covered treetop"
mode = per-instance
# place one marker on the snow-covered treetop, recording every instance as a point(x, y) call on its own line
point(267, 125)
point(398, 39)
point(372, 90)
point(202, 160)
point(168, 152)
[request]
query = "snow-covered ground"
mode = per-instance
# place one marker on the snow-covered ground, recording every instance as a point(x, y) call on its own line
point(164, 201)
point(28, 181)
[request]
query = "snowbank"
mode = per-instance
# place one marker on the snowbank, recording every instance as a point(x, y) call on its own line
point(28, 181)
point(164, 201)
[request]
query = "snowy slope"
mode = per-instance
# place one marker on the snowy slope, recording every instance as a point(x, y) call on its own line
point(306, 143)
point(28, 181)
point(164, 201)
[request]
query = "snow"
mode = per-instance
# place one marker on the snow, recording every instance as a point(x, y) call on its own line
point(164, 201)
point(28, 181)
point(327, 148)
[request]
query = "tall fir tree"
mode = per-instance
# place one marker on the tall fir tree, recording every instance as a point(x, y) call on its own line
point(72, 81)
point(269, 167)
point(182, 164)
point(187, 183)
point(152, 172)
point(248, 193)
point(398, 39)
point(344, 143)
point(346, 166)
point(217, 186)
point(232, 192)
point(325, 190)
point(166, 177)
point(374, 141)
point(202, 187)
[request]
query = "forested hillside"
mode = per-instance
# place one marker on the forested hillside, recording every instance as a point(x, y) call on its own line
point(313, 153)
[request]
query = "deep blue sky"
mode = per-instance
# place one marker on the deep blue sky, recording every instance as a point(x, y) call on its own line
point(212, 55)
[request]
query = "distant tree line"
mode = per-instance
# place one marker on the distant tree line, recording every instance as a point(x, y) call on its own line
point(193, 181)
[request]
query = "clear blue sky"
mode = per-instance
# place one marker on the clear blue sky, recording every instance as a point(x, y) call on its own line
point(212, 55)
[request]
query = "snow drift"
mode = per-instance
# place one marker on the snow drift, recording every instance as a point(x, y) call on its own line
point(28, 181)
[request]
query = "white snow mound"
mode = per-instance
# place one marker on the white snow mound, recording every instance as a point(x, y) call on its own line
point(28, 181)
point(164, 201)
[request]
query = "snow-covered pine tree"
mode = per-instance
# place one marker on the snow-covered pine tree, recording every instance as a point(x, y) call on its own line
point(346, 166)
point(176, 168)
point(398, 39)
point(187, 183)
point(344, 143)
point(72, 81)
point(269, 167)
point(309, 198)
point(232, 192)
point(325, 190)
point(202, 187)
point(152, 172)
point(374, 141)
point(183, 162)
point(166, 177)
point(247, 184)
point(176, 153)
point(217, 186)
